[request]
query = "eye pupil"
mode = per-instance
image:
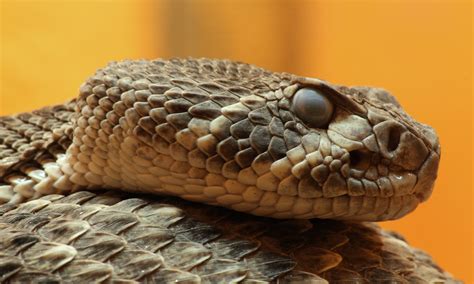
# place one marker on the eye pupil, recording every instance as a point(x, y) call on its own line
point(312, 107)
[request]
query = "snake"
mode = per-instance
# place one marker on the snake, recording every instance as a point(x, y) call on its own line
point(213, 171)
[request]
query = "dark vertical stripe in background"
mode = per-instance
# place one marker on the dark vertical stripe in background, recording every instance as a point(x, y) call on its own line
point(269, 33)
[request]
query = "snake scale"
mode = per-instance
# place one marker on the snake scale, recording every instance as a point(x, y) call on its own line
point(89, 189)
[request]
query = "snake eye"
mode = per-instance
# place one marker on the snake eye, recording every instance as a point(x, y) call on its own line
point(312, 107)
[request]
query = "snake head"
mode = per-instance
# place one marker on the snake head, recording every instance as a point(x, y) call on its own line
point(235, 135)
point(359, 144)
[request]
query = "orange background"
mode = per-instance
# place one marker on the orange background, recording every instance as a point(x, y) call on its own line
point(419, 50)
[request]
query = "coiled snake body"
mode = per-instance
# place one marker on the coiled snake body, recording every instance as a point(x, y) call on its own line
point(223, 133)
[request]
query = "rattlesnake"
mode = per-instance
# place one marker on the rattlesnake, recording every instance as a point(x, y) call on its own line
point(280, 146)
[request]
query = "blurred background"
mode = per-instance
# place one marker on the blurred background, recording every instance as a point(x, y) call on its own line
point(419, 50)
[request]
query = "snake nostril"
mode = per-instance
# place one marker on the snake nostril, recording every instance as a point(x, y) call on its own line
point(389, 135)
point(360, 160)
point(393, 138)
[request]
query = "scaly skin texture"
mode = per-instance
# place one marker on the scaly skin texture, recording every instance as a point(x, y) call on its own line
point(224, 133)
point(114, 238)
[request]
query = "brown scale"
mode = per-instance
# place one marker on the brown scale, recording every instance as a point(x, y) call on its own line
point(28, 134)
point(113, 237)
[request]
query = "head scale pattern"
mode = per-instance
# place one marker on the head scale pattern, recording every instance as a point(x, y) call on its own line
point(229, 134)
